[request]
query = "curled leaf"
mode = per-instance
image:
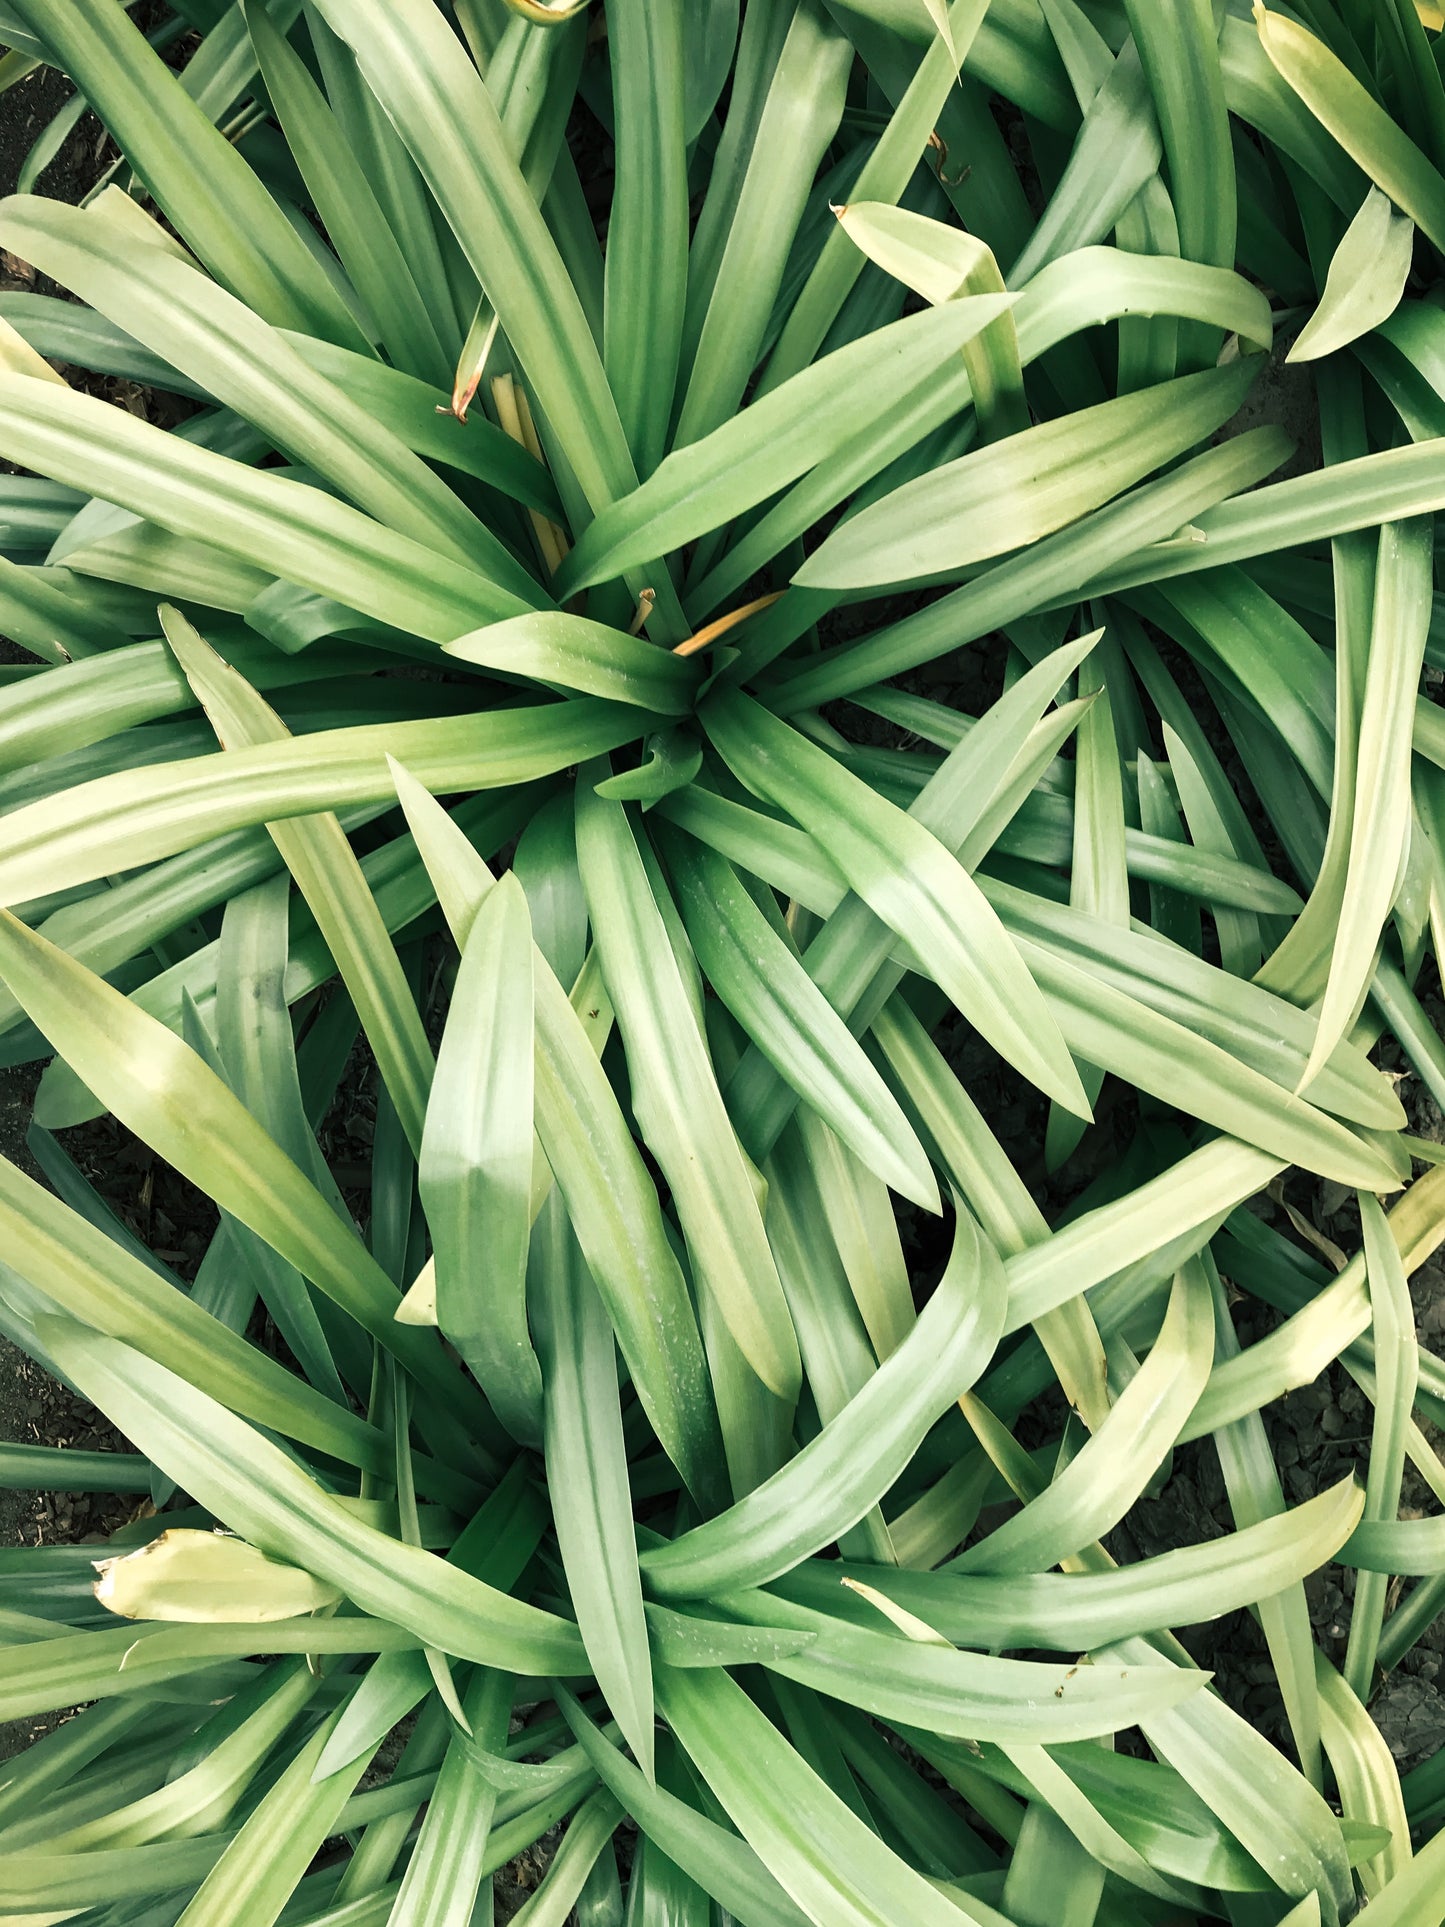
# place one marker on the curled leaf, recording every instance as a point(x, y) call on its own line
point(207, 1578)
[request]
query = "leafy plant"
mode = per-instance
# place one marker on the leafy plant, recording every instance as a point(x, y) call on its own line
point(479, 667)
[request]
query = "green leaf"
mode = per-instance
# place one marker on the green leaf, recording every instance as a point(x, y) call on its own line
point(88, 1275)
point(1068, 1611)
point(611, 1199)
point(1397, 1368)
point(287, 527)
point(1366, 279)
point(684, 1639)
point(900, 1677)
point(1025, 487)
point(676, 1099)
point(172, 1101)
point(1181, 60)
point(195, 174)
point(1380, 827)
point(885, 176)
point(240, 1476)
point(1270, 1808)
point(139, 816)
point(853, 1461)
point(1057, 569)
point(1099, 872)
point(409, 408)
point(475, 1168)
point(551, 1903)
point(758, 976)
point(348, 209)
point(264, 1862)
point(443, 111)
point(587, 1476)
point(1187, 1202)
point(1416, 1886)
point(231, 353)
point(716, 1858)
point(571, 652)
point(1365, 1772)
point(782, 435)
point(647, 234)
point(496, 1546)
point(818, 1850)
point(318, 855)
point(943, 263)
point(1111, 1471)
point(1357, 121)
point(673, 758)
point(908, 879)
point(727, 316)
point(443, 1876)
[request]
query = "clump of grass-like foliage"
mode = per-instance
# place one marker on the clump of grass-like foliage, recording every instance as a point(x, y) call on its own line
point(510, 658)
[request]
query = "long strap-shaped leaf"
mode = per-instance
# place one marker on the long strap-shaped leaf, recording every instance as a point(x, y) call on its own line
point(847, 956)
point(1397, 1364)
point(1098, 874)
point(476, 1162)
point(647, 234)
point(1085, 289)
point(909, 880)
point(249, 366)
point(189, 166)
point(286, 527)
point(1380, 826)
point(573, 652)
point(1258, 1028)
point(1066, 1611)
point(264, 1862)
point(610, 1197)
point(804, 105)
point(139, 816)
point(175, 1104)
point(751, 455)
point(262, 1494)
point(1124, 1035)
point(358, 229)
point(964, 1695)
point(1358, 122)
point(1026, 486)
point(714, 1856)
point(439, 1888)
point(854, 1460)
point(675, 1095)
point(408, 407)
point(90, 1277)
point(1365, 1772)
point(1268, 1805)
point(763, 983)
point(1052, 572)
point(587, 1477)
point(1181, 59)
point(496, 1546)
point(886, 173)
point(316, 851)
point(440, 105)
point(817, 1848)
point(1097, 1487)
